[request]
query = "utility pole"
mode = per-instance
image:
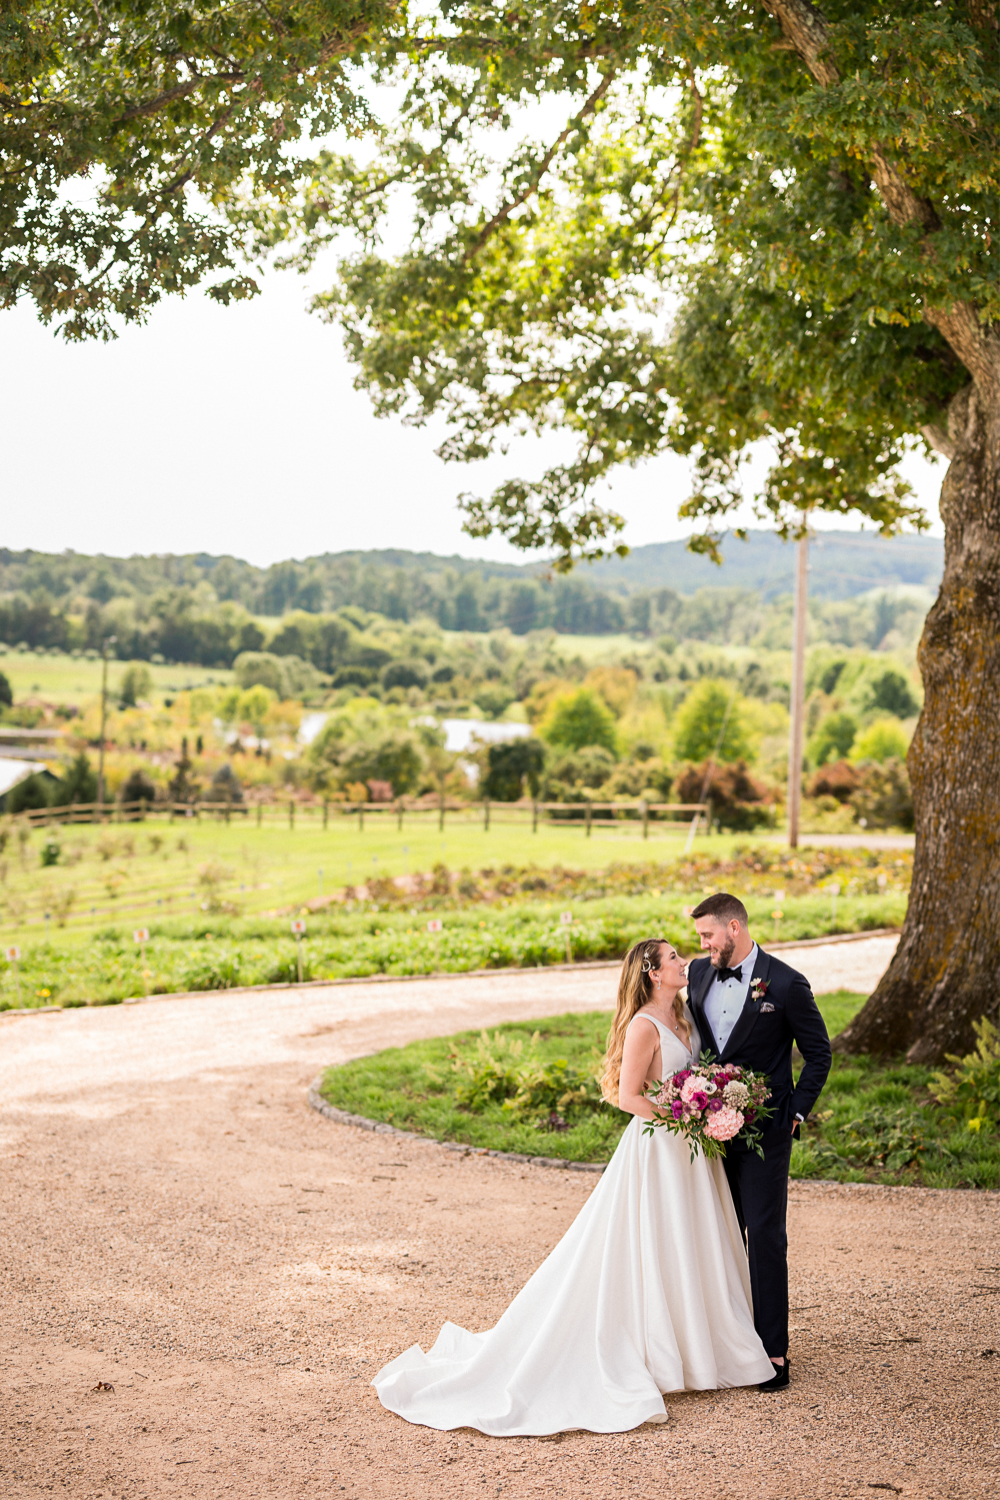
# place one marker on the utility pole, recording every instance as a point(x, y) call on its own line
point(798, 703)
point(104, 716)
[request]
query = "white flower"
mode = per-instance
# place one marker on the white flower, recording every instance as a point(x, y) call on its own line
point(736, 1095)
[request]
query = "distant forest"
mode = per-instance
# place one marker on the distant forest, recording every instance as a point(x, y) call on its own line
point(205, 609)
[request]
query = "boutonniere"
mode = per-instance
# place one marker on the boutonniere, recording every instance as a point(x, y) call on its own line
point(758, 990)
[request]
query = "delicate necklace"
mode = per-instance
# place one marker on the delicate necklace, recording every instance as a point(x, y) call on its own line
point(670, 1023)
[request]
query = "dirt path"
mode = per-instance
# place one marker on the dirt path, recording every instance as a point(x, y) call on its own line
point(179, 1225)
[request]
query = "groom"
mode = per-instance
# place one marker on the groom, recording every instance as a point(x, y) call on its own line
point(750, 1009)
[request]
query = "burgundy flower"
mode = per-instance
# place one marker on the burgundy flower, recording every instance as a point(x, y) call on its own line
point(699, 1099)
point(749, 1116)
point(715, 1105)
point(677, 1110)
point(680, 1077)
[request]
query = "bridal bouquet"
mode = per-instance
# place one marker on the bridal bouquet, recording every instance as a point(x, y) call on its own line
point(711, 1103)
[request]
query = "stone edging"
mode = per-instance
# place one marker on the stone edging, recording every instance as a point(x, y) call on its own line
point(311, 984)
point(361, 1122)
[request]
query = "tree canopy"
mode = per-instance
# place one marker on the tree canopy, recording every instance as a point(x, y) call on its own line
point(746, 224)
point(123, 127)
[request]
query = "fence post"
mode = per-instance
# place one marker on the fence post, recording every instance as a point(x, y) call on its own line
point(291, 812)
point(589, 811)
point(326, 811)
point(644, 806)
point(361, 817)
point(486, 816)
point(709, 814)
point(441, 813)
point(399, 814)
point(534, 817)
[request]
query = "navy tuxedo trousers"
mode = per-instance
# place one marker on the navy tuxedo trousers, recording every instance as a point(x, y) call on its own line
point(760, 1196)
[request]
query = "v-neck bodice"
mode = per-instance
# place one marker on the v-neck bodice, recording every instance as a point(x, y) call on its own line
point(670, 1042)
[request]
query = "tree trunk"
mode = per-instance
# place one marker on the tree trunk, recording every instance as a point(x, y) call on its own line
point(946, 972)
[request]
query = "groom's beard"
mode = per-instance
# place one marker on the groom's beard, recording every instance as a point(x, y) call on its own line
point(720, 959)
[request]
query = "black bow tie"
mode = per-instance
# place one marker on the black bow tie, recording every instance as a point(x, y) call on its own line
point(723, 974)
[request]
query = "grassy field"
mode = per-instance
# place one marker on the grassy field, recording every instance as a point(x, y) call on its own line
point(143, 872)
point(62, 678)
point(875, 1122)
point(217, 900)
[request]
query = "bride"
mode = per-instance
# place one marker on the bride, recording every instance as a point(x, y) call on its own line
point(648, 1291)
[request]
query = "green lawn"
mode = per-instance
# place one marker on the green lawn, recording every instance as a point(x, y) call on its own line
point(875, 1121)
point(63, 678)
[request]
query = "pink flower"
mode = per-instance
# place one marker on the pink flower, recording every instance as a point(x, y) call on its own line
point(692, 1085)
point(699, 1099)
point(723, 1125)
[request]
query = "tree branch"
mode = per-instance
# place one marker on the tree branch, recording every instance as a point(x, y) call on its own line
point(504, 213)
point(804, 26)
point(807, 31)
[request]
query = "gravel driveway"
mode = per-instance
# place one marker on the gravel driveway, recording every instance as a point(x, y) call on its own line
point(178, 1225)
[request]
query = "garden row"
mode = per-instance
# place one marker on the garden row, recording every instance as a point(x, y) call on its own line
point(214, 951)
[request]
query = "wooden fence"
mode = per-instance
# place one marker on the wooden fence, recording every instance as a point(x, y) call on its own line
point(561, 814)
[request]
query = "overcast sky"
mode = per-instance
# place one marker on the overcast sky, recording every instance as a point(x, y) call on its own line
point(238, 430)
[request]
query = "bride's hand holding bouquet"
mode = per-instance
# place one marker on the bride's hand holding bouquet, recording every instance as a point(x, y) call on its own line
point(711, 1103)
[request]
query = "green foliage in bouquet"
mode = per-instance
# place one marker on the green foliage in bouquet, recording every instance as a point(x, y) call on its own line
point(972, 1091)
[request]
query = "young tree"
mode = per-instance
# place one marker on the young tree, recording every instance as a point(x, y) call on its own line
point(819, 201)
point(164, 109)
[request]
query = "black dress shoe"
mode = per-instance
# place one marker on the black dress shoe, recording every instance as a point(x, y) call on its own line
point(779, 1379)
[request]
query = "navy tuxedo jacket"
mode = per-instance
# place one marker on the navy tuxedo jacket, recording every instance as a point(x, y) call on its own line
point(765, 1032)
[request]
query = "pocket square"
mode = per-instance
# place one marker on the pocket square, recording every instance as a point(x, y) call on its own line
point(767, 1008)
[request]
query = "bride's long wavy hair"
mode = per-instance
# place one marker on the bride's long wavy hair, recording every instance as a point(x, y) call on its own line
point(635, 989)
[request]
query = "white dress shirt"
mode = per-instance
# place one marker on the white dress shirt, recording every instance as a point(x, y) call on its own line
point(724, 1001)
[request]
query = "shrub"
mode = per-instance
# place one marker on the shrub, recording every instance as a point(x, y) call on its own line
point(138, 787)
point(393, 757)
point(739, 801)
point(891, 693)
point(494, 701)
point(883, 797)
point(78, 785)
point(709, 711)
point(881, 741)
point(288, 676)
point(833, 739)
point(509, 765)
point(839, 779)
point(571, 776)
point(972, 1091)
point(578, 719)
point(631, 778)
point(6, 693)
point(403, 674)
point(28, 794)
point(51, 850)
point(225, 785)
point(503, 1071)
point(136, 684)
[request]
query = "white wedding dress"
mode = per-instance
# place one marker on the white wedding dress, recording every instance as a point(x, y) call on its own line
point(648, 1291)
